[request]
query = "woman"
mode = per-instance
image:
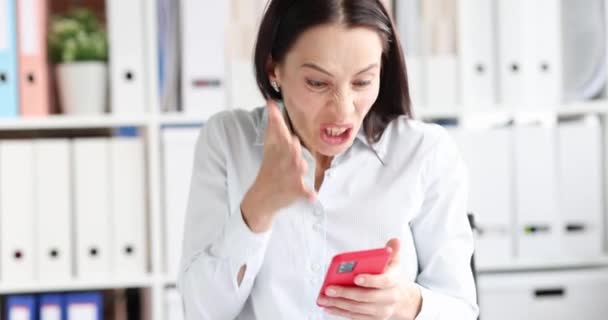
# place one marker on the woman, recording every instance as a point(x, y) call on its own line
point(333, 163)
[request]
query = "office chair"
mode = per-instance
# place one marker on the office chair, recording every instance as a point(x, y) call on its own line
point(471, 218)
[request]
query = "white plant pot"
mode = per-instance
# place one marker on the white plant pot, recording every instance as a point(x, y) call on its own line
point(82, 87)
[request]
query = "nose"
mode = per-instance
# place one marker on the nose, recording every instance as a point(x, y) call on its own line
point(343, 101)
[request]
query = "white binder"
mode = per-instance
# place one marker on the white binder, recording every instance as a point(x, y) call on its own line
point(18, 256)
point(477, 38)
point(53, 209)
point(178, 145)
point(128, 211)
point(441, 83)
point(546, 28)
point(513, 47)
point(127, 56)
point(203, 62)
point(580, 189)
point(244, 92)
point(173, 305)
point(487, 154)
point(538, 226)
point(408, 19)
point(439, 42)
point(529, 52)
point(92, 207)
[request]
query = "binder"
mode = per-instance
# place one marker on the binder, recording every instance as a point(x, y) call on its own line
point(438, 32)
point(530, 53)
point(32, 17)
point(127, 56)
point(21, 307)
point(537, 217)
point(244, 93)
point(487, 154)
point(128, 200)
point(408, 19)
point(441, 82)
point(476, 26)
point(53, 212)
point(52, 306)
point(580, 188)
point(203, 62)
point(168, 54)
point(84, 306)
point(416, 80)
point(173, 305)
point(17, 211)
point(546, 29)
point(178, 145)
point(9, 89)
point(92, 207)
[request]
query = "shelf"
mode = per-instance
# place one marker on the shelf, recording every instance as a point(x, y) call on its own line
point(72, 122)
point(510, 111)
point(76, 285)
point(545, 264)
point(178, 119)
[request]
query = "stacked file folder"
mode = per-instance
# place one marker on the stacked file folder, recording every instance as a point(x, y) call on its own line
point(72, 209)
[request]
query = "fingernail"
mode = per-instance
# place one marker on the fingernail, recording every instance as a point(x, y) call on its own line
point(330, 292)
point(359, 280)
point(322, 301)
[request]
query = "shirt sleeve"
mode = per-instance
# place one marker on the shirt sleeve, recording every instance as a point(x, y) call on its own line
point(443, 237)
point(217, 242)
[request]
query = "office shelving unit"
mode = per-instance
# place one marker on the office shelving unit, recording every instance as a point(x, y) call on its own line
point(151, 125)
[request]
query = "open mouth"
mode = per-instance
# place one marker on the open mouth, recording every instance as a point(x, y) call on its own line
point(335, 135)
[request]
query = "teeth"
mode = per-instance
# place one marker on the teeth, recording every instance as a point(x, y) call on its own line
point(335, 131)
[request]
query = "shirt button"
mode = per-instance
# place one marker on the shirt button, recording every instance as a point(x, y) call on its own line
point(317, 212)
point(316, 227)
point(315, 267)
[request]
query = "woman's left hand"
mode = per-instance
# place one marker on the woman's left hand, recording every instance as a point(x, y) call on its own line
point(384, 296)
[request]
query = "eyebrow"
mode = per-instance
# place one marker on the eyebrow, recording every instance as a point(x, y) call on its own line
point(316, 67)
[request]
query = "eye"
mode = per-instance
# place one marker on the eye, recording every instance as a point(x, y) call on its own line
point(362, 84)
point(316, 84)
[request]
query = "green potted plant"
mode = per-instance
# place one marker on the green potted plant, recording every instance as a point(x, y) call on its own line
point(78, 46)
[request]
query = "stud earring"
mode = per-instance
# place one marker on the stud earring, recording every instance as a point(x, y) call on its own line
point(275, 86)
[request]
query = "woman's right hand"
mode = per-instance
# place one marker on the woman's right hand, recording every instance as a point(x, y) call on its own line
point(280, 180)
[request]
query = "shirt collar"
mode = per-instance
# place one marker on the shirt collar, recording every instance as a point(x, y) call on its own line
point(378, 148)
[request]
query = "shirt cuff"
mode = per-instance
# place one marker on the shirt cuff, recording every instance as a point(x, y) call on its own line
point(430, 308)
point(238, 243)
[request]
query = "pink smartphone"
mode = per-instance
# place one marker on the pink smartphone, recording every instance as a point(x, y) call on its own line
point(346, 266)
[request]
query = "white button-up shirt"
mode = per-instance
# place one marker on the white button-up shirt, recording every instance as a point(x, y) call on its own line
point(411, 185)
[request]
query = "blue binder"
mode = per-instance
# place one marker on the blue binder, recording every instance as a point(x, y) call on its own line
point(9, 81)
point(89, 304)
point(52, 305)
point(21, 307)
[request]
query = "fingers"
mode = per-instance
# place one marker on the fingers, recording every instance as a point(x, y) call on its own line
point(350, 305)
point(276, 127)
point(361, 294)
point(394, 245)
point(348, 314)
point(303, 167)
point(388, 279)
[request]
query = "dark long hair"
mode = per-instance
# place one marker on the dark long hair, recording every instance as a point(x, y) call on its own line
point(285, 20)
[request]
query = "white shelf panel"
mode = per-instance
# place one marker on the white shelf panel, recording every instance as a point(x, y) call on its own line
point(72, 122)
point(532, 265)
point(509, 111)
point(180, 119)
point(76, 285)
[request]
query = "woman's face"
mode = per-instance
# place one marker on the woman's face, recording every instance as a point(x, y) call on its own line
point(329, 80)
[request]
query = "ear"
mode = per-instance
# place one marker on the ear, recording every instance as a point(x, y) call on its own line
point(273, 70)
